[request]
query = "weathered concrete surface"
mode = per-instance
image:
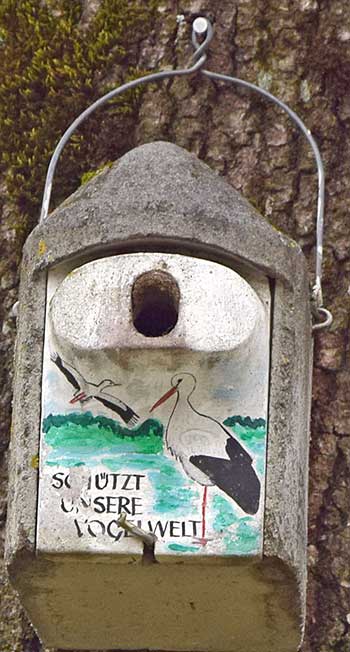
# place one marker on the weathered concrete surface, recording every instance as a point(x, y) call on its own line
point(135, 206)
point(138, 198)
point(175, 607)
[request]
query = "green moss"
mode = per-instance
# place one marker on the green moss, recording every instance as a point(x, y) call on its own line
point(51, 69)
point(90, 174)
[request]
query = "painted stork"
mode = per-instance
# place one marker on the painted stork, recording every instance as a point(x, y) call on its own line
point(208, 453)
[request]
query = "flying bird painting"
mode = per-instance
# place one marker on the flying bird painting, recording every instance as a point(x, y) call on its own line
point(208, 453)
point(86, 391)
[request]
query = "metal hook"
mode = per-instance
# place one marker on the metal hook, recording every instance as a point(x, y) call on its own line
point(148, 538)
point(202, 27)
point(320, 325)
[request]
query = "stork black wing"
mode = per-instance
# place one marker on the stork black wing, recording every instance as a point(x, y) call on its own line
point(236, 476)
point(235, 451)
point(125, 412)
point(71, 379)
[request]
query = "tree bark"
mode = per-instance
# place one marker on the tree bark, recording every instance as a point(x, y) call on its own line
point(299, 51)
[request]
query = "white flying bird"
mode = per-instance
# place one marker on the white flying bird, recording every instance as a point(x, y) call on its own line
point(85, 391)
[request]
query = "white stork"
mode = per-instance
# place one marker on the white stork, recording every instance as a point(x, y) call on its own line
point(208, 453)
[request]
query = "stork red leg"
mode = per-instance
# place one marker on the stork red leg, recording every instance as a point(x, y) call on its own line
point(204, 504)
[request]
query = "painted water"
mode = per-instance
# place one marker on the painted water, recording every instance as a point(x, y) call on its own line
point(84, 440)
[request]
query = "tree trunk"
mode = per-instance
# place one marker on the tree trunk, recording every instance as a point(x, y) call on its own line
point(59, 55)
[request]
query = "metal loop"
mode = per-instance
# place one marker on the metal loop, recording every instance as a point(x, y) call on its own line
point(199, 29)
point(202, 26)
point(321, 325)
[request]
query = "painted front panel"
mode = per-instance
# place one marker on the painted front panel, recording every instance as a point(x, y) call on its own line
point(167, 427)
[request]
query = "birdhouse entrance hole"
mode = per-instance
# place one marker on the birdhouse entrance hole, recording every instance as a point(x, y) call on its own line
point(155, 303)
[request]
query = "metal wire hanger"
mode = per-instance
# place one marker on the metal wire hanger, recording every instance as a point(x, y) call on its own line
point(202, 34)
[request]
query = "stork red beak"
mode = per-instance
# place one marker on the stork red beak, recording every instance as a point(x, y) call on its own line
point(164, 398)
point(78, 397)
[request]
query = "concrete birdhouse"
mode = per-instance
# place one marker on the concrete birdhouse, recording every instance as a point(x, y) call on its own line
point(163, 380)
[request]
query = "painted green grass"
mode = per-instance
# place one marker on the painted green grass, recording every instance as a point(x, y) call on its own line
point(247, 429)
point(79, 438)
point(85, 433)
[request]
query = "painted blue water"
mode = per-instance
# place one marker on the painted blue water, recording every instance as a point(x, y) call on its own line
point(95, 443)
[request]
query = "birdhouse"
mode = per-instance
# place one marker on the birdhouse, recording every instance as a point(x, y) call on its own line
point(161, 407)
